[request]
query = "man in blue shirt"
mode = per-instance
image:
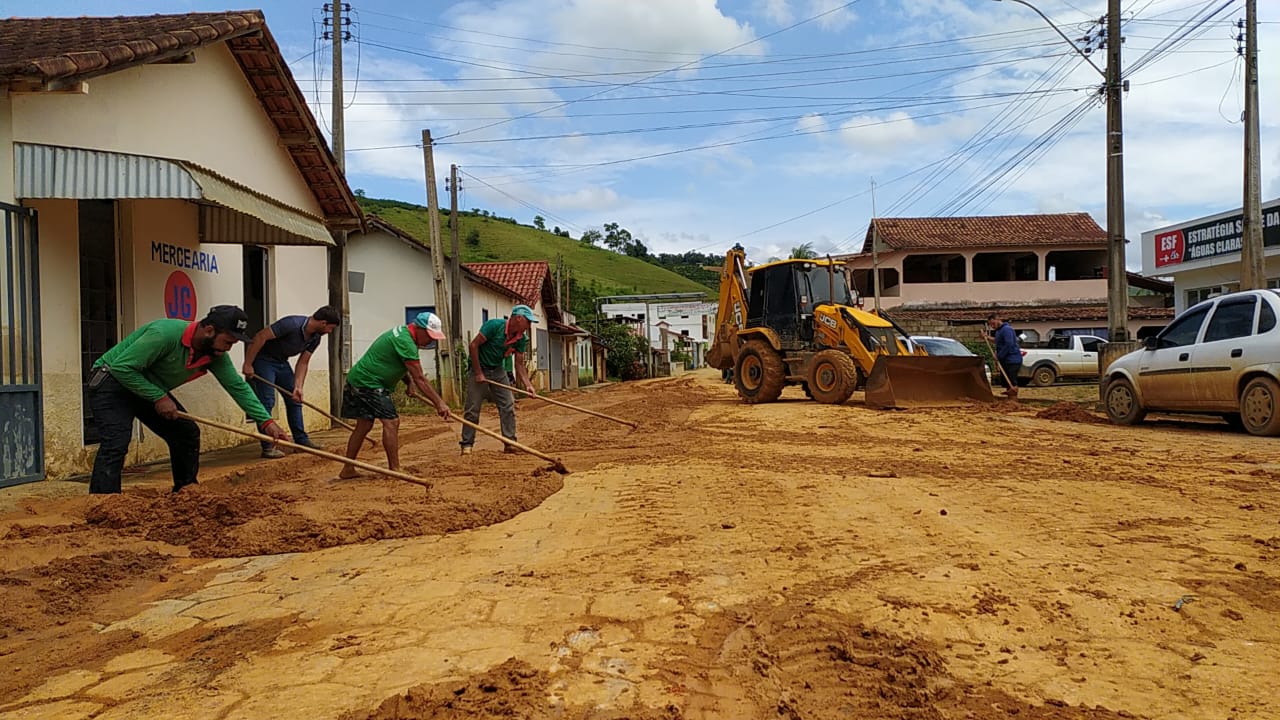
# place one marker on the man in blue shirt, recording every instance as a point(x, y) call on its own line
point(267, 357)
point(1008, 354)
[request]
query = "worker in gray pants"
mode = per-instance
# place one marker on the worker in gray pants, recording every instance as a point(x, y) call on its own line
point(497, 339)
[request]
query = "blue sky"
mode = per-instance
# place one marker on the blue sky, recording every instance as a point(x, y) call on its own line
point(700, 123)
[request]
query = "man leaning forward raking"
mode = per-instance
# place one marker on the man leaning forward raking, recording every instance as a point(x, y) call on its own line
point(134, 380)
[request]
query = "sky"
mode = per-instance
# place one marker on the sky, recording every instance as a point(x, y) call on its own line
point(698, 124)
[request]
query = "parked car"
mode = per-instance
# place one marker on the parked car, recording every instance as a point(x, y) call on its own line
point(945, 346)
point(1074, 356)
point(1221, 356)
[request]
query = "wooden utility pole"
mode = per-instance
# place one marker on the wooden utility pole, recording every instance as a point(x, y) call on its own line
point(1253, 270)
point(449, 390)
point(455, 264)
point(340, 339)
point(875, 249)
point(1117, 278)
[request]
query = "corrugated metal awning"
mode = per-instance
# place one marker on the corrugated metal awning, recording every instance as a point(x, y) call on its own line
point(229, 211)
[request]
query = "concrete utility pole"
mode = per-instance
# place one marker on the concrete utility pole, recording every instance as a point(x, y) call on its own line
point(449, 391)
point(339, 298)
point(875, 249)
point(455, 263)
point(1253, 270)
point(1117, 278)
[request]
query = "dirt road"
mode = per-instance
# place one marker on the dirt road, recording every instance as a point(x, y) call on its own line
point(791, 560)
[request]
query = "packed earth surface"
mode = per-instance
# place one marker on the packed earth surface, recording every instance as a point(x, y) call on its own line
point(790, 560)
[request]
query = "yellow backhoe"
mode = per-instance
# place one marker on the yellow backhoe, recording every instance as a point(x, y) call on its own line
point(796, 322)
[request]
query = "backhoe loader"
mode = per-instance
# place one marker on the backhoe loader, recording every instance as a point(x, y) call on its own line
point(797, 322)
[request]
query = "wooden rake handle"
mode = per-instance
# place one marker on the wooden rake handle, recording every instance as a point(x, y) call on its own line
point(564, 404)
point(317, 408)
point(321, 453)
point(559, 466)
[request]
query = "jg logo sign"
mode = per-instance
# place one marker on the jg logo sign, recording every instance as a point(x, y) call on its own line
point(179, 297)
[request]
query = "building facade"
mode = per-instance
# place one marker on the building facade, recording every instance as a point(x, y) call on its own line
point(154, 167)
point(1202, 256)
point(1046, 271)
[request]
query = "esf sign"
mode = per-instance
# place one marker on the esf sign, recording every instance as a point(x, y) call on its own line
point(1212, 239)
point(182, 257)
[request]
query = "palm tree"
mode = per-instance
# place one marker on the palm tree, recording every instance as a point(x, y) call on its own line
point(803, 252)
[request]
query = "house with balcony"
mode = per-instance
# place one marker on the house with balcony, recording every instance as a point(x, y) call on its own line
point(944, 275)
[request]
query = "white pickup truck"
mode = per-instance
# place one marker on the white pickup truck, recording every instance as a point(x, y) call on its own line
point(1063, 356)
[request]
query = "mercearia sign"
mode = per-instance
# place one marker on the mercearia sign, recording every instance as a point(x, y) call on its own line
point(1212, 238)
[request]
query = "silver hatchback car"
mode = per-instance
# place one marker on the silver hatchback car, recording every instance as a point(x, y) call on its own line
point(1221, 356)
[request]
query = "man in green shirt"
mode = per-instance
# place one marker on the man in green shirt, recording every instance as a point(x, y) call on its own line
point(367, 395)
point(497, 340)
point(132, 381)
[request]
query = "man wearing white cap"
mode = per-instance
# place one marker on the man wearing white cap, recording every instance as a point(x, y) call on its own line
point(497, 340)
point(367, 395)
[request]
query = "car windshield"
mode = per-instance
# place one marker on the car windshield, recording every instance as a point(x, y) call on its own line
point(943, 346)
point(820, 285)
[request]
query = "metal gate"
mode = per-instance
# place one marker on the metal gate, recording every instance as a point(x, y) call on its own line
point(21, 416)
point(555, 362)
point(543, 353)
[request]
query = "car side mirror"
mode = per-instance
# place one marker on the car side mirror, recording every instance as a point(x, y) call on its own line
point(1151, 343)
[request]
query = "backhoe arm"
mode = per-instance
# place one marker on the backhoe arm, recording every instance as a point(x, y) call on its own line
point(732, 312)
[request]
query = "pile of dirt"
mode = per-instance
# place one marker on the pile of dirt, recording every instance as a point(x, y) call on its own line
point(788, 662)
point(1069, 412)
point(221, 519)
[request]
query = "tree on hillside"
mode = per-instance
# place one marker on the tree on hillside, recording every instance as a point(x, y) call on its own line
point(803, 252)
point(636, 249)
point(539, 222)
point(473, 237)
point(616, 238)
point(591, 237)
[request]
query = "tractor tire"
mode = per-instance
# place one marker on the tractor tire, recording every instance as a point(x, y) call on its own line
point(1122, 404)
point(759, 373)
point(832, 377)
point(1260, 407)
point(1044, 376)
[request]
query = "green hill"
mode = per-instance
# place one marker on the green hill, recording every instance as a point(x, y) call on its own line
point(595, 271)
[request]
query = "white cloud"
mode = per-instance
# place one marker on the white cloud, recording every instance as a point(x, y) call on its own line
point(777, 12)
point(835, 21)
point(592, 198)
point(812, 124)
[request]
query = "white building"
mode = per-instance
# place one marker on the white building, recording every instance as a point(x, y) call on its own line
point(671, 325)
point(152, 167)
point(1203, 255)
point(391, 280)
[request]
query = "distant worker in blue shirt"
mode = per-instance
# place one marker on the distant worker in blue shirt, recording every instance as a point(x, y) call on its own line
point(267, 357)
point(1008, 354)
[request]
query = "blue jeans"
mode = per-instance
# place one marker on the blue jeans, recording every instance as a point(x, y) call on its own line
point(280, 373)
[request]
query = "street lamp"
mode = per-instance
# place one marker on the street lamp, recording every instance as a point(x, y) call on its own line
point(1117, 281)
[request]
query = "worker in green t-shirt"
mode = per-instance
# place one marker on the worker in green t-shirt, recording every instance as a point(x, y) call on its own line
point(497, 340)
point(367, 395)
point(132, 381)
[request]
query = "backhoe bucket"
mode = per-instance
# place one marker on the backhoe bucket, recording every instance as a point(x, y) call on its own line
point(915, 380)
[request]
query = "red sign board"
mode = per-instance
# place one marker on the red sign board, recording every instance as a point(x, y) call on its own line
point(179, 297)
point(1170, 248)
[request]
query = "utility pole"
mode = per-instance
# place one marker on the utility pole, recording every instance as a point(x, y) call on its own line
point(455, 264)
point(1117, 278)
point(339, 298)
point(1114, 85)
point(449, 391)
point(1253, 271)
point(875, 249)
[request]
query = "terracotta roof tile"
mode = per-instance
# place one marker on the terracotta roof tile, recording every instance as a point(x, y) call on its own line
point(1027, 313)
point(44, 50)
point(986, 231)
point(51, 48)
point(525, 278)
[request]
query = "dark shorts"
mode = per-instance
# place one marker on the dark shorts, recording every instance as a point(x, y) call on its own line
point(368, 404)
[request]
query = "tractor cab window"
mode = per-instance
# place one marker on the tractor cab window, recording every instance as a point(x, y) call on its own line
point(819, 290)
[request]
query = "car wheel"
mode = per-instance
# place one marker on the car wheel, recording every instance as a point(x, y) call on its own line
point(1044, 376)
point(1122, 403)
point(1260, 407)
